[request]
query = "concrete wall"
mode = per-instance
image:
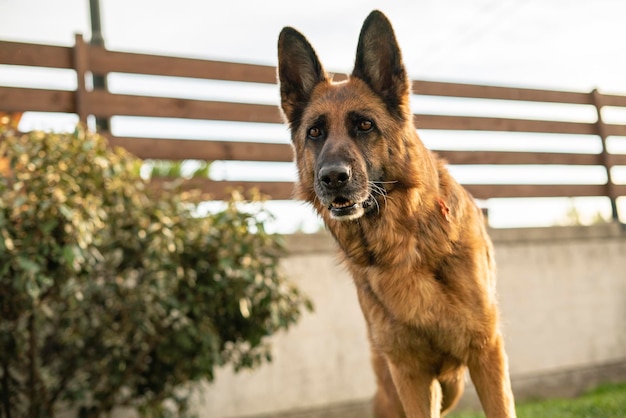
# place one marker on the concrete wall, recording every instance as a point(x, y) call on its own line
point(562, 294)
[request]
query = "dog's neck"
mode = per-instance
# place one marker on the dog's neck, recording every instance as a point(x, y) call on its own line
point(395, 233)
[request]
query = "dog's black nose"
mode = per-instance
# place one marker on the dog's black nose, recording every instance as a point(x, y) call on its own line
point(334, 176)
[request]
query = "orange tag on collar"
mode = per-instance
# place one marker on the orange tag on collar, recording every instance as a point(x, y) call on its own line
point(445, 210)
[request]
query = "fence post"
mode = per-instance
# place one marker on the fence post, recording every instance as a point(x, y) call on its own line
point(79, 57)
point(596, 100)
point(99, 80)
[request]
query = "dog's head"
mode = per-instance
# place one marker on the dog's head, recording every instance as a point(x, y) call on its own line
point(349, 137)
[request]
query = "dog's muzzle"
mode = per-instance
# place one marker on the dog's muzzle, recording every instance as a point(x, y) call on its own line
point(339, 194)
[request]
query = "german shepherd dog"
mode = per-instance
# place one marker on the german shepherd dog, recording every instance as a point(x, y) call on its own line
point(410, 235)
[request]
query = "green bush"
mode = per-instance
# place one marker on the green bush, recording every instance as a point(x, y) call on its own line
point(112, 294)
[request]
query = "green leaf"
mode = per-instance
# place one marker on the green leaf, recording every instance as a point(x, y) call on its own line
point(69, 254)
point(67, 212)
point(28, 265)
point(49, 225)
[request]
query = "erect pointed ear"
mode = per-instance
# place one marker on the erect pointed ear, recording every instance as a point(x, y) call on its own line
point(379, 61)
point(299, 71)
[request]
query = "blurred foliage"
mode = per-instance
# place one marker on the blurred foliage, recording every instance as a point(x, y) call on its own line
point(10, 120)
point(176, 169)
point(113, 294)
point(574, 216)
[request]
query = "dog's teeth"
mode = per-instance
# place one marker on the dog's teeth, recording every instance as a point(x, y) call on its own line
point(340, 205)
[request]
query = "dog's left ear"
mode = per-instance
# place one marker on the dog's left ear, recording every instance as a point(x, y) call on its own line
point(379, 61)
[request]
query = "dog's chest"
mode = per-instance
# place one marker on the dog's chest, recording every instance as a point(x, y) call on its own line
point(409, 308)
point(403, 294)
point(395, 279)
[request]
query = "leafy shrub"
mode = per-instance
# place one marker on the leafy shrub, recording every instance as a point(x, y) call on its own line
point(112, 294)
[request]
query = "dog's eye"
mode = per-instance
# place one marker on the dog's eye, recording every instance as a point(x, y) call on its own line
point(365, 125)
point(314, 133)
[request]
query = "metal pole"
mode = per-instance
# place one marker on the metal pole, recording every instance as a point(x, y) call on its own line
point(99, 80)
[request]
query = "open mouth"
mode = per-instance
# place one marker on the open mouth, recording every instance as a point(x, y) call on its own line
point(345, 209)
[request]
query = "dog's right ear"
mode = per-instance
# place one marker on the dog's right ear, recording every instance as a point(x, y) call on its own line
point(299, 71)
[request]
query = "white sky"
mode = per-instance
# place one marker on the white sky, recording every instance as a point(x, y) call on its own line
point(569, 44)
point(557, 44)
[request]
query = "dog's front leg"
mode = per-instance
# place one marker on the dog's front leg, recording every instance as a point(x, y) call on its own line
point(490, 373)
point(419, 391)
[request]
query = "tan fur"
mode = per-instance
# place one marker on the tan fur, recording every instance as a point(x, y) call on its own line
point(419, 255)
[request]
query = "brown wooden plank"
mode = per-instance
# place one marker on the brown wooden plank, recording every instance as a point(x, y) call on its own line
point(220, 190)
point(435, 88)
point(103, 61)
point(33, 55)
point(487, 191)
point(183, 149)
point(210, 150)
point(620, 189)
point(473, 123)
point(13, 99)
point(615, 130)
point(611, 100)
point(104, 104)
point(617, 159)
point(515, 158)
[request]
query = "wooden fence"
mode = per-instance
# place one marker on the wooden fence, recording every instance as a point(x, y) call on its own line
point(85, 58)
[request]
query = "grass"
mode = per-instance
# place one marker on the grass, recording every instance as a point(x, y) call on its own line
point(608, 401)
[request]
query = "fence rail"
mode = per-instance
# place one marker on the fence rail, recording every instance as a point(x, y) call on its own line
point(84, 58)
